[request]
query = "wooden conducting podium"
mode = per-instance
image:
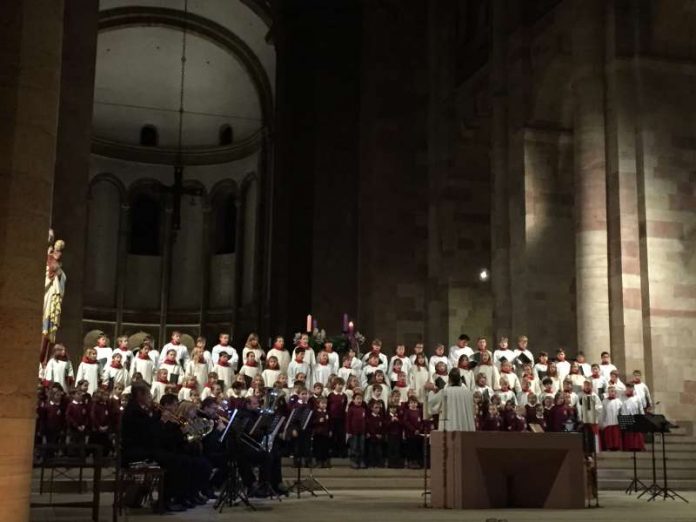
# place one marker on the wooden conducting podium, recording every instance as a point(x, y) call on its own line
point(488, 469)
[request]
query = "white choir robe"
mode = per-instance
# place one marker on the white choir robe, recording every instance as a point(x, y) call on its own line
point(556, 386)
point(90, 373)
point(540, 370)
point(185, 393)
point(60, 372)
point(229, 350)
point(294, 368)
point(126, 357)
point(574, 399)
point(356, 364)
point(405, 364)
point(382, 365)
point(492, 374)
point(456, 407)
point(270, 377)
point(499, 355)
point(577, 380)
point(618, 386)
point(367, 371)
point(225, 374)
point(403, 393)
point(417, 378)
point(386, 390)
point(119, 376)
point(412, 358)
point(545, 394)
point(506, 396)
point(523, 398)
point(250, 371)
point(455, 352)
point(590, 408)
point(438, 359)
point(157, 390)
point(610, 412)
point(606, 369)
point(485, 391)
point(309, 356)
point(283, 357)
point(145, 367)
point(468, 378)
point(154, 357)
point(344, 373)
point(528, 353)
point(563, 368)
point(434, 376)
point(321, 374)
point(207, 392)
point(585, 370)
point(182, 353)
point(632, 406)
point(172, 369)
point(198, 370)
point(642, 391)
point(535, 386)
point(334, 362)
point(104, 356)
point(512, 379)
point(259, 355)
point(599, 383)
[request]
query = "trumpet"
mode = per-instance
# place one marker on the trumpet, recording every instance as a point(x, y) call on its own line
point(180, 420)
point(194, 429)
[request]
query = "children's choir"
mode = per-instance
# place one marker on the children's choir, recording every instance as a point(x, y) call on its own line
point(373, 409)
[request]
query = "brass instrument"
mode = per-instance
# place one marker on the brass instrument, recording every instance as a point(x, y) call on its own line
point(194, 429)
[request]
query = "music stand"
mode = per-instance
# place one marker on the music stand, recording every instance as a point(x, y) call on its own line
point(663, 426)
point(268, 424)
point(628, 423)
point(309, 484)
point(232, 492)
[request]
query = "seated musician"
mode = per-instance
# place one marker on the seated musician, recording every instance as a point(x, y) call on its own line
point(214, 449)
point(194, 468)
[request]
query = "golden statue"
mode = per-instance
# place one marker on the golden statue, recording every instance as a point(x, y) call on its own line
point(54, 290)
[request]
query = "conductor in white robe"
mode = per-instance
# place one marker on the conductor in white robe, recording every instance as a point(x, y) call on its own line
point(455, 404)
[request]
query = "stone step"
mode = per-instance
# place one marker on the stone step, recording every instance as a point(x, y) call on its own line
point(348, 472)
point(646, 473)
point(686, 463)
point(614, 484)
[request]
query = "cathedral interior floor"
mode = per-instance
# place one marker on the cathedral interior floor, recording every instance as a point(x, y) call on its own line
point(387, 505)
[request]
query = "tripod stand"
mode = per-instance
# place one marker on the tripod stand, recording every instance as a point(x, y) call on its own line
point(232, 492)
point(310, 484)
point(664, 491)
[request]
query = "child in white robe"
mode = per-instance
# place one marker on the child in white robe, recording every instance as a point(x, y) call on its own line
point(272, 371)
point(89, 370)
point(323, 370)
point(59, 369)
point(280, 353)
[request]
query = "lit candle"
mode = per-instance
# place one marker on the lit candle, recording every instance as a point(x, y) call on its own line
point(351, 326)
point(309, 323)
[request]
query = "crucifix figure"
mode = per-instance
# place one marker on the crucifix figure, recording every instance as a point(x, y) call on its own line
point(177, 190)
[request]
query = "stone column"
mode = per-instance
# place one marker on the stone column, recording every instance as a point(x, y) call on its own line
point(69, 211)
point(591, 258)
point(500, 224)
point(30, 58)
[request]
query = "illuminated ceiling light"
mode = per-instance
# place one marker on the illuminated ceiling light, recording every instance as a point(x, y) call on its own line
point(484, 275)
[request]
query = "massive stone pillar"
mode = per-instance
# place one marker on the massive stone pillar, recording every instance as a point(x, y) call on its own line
point(624, 174)
point(30, 58)
point(591, 258)
point(69, 212)
point(500, 220)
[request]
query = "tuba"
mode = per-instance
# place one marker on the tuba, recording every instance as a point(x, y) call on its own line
point(269, 401)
